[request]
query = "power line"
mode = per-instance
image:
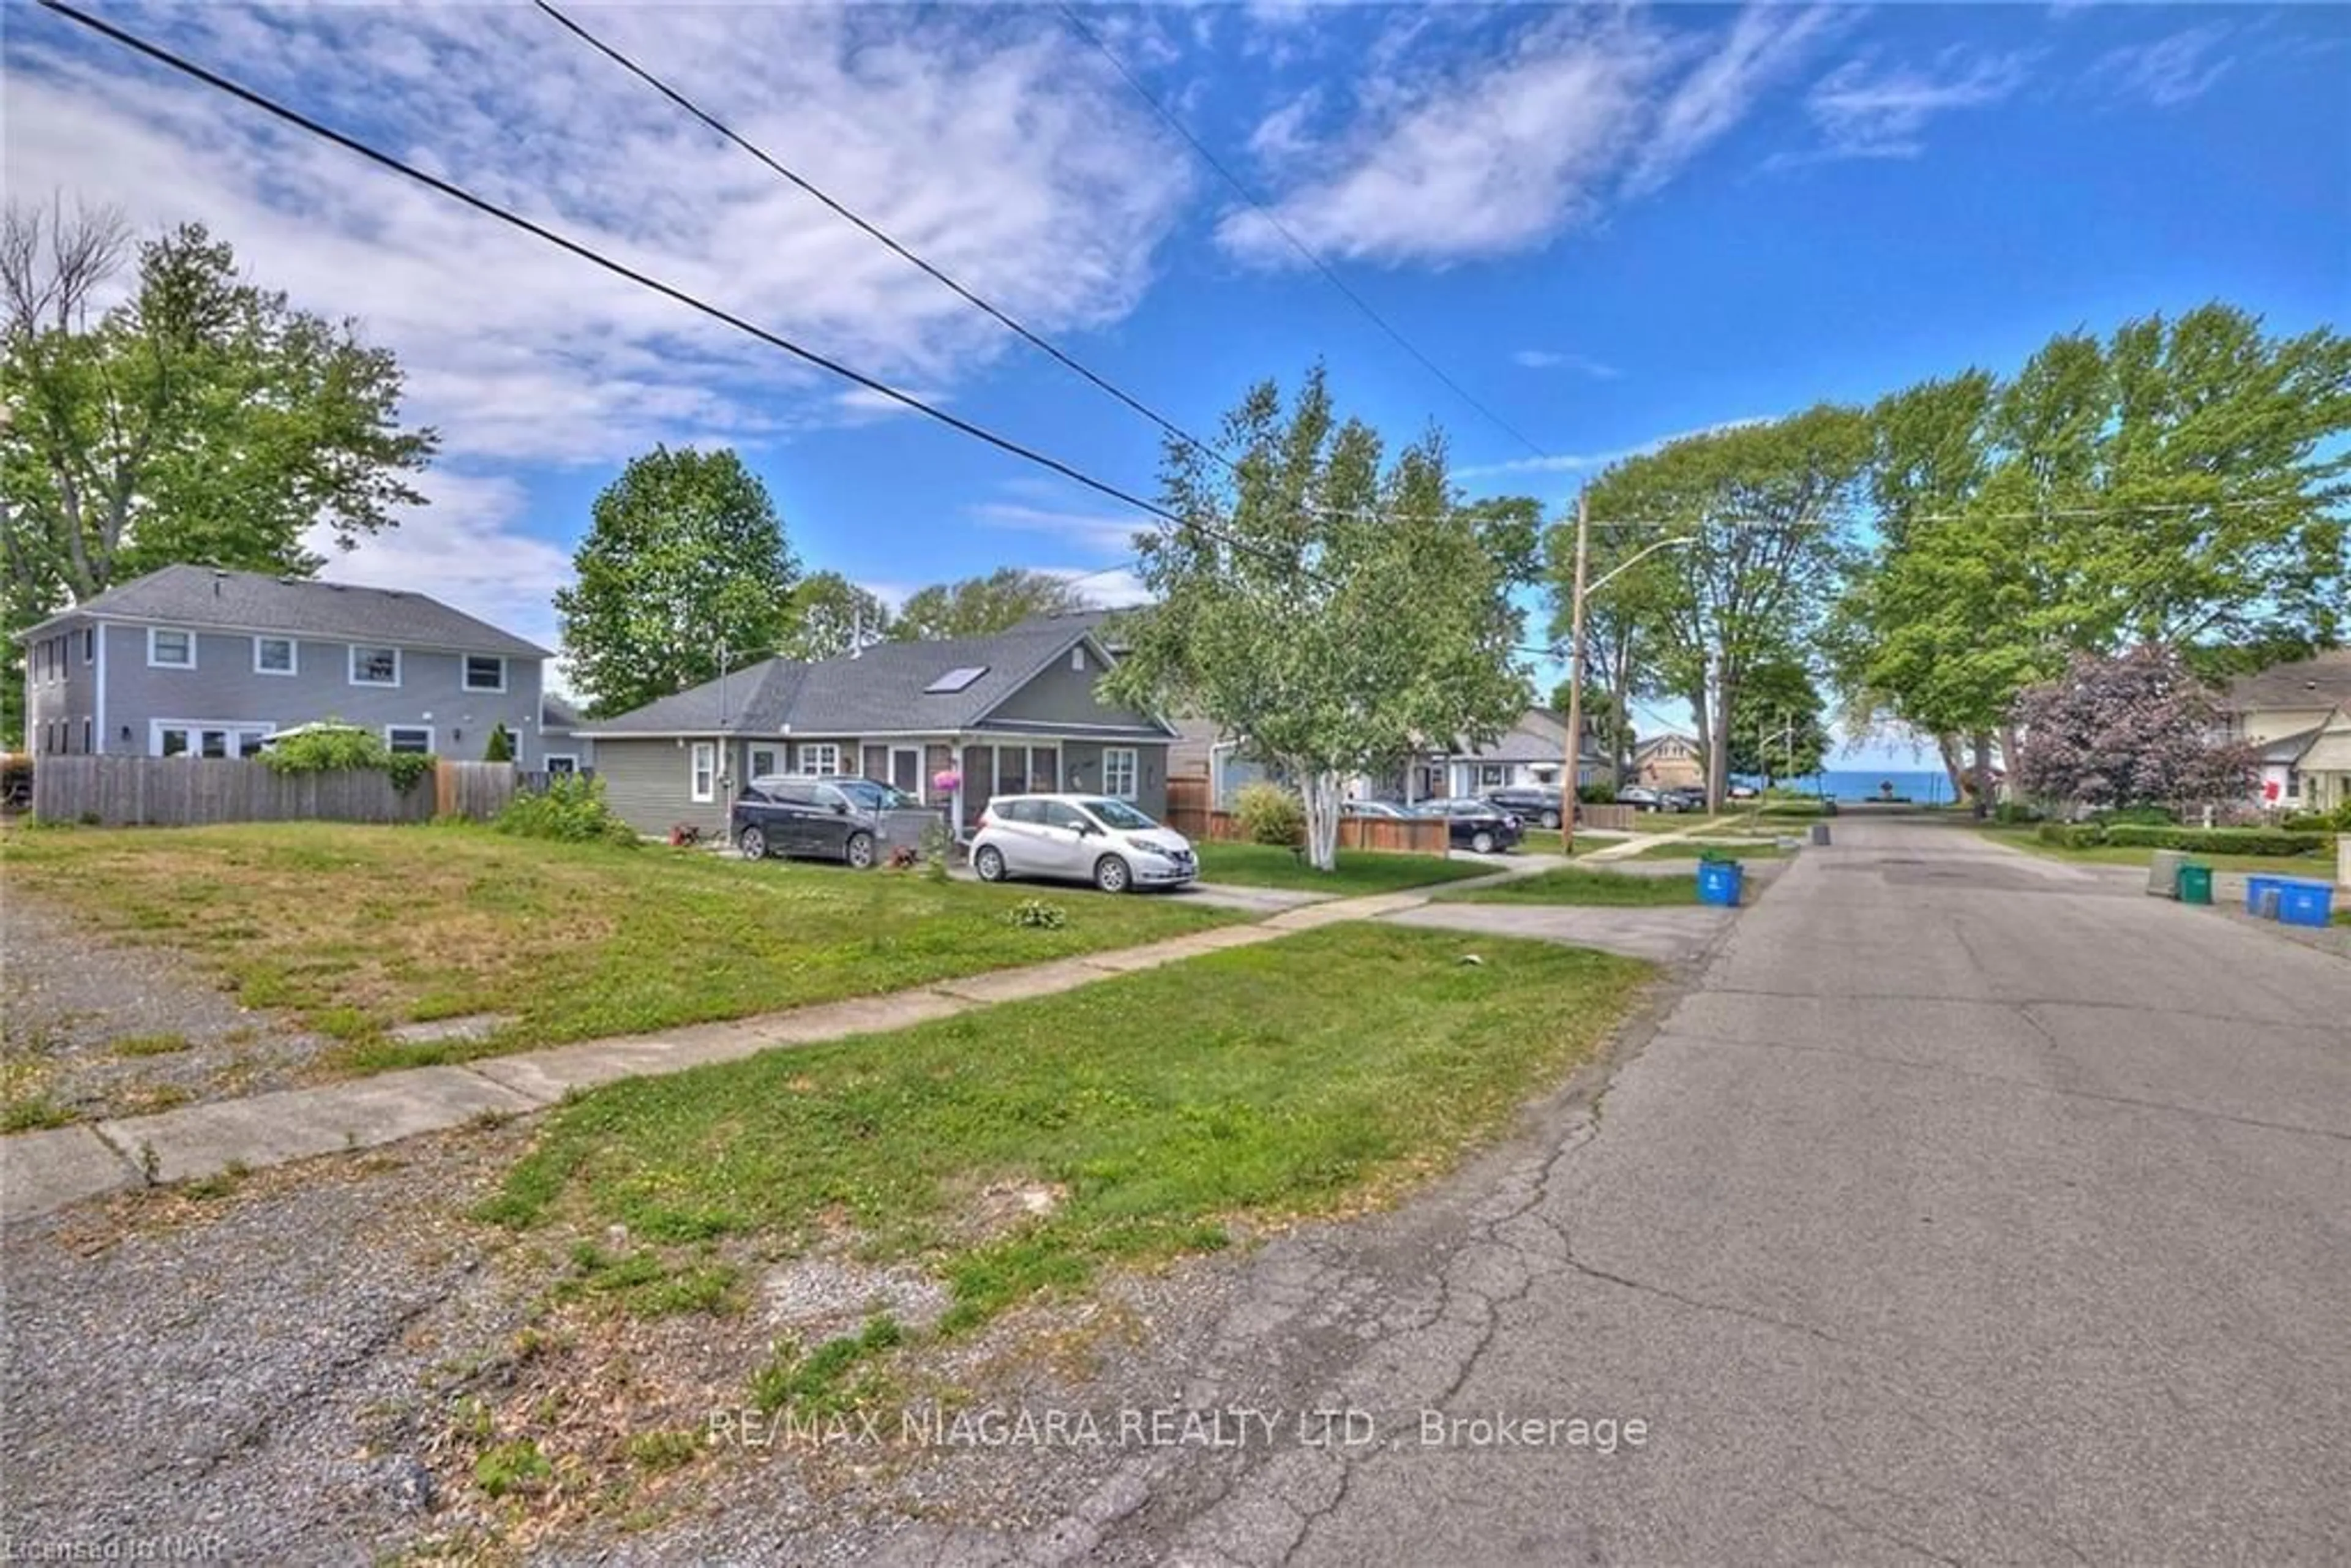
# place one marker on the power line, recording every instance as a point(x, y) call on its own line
point(1300, 245)
point(842, 210)
point(585, 252)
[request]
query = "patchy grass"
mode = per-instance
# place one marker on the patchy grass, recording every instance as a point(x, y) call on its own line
point(1311, 1075)
point(1685, 849)
point(149, 1044)
point(1359, 871)
point(2319, 863)
point(354, 929)
point(1576, 885)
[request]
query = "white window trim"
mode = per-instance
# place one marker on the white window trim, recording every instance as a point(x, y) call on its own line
point(701, 759)
point(804, 750)
point(156, 664)
point(751, 762)
point(195, 729)
point(465, 672)
point(425, 727)
point(552, 757)
point(293, 654)
point(1133, 790)
point(922, 783)
point(351, 667)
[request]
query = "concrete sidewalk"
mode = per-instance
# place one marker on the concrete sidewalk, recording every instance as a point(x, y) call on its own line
point(46, 1170)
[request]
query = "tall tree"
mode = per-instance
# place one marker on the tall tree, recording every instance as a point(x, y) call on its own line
point(2133, 730)
point(1333, 607)
point(685, 572)
point(832, 616)
point(980, 606)
point(1778, 728)
point(200, 419)
point(1627, 657)
point(1767, 510)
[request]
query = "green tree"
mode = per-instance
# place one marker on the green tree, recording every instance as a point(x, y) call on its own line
point(1625, 651)
point(1778, 728)
point(201, 418)
point(1767, 510)
point(1331, 605)
point(830, 615)
point(980, 606)
point(501, 745)
point(685, 572)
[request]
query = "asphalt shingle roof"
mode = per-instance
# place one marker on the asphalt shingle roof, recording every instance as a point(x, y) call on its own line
point(2317, 683)
point(202, 596)
point(878, 690)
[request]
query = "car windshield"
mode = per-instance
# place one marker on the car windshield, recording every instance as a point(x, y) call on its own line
point(874, 797)
point(1119, 814)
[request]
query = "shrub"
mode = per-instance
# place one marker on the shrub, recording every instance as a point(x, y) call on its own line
point(1596, 794)
point(501, 745)
point(1805, 806)
point(2138, 817)
point(2009, 814)
point(571, 809)
point(1270, 814)
point(1039, 913)
point(936, 841)
point(331, 748)
point(2338, 820)
point(2216, 841)
point(2072, 835)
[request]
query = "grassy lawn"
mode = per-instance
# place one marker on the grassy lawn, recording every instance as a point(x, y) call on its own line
point(2319, 863)
point(1683, 850)
point(1359, 871)
point(1574, 884)
point(354, 929)
point(1255, 1083)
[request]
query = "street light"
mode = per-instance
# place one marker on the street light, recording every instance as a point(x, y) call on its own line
point(1568, 796)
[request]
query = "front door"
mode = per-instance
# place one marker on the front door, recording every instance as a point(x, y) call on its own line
point(906, 770)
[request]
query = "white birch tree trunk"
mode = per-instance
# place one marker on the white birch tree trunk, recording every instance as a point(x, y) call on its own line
point(1320, 795)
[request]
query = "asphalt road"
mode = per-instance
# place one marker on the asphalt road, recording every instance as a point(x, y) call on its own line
point(1970, 1208)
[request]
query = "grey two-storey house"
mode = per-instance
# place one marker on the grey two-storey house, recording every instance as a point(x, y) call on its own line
point(193, 661)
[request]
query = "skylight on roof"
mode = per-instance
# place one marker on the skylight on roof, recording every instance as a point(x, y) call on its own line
point(957, 679)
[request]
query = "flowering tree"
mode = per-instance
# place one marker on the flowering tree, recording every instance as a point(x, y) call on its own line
point(2134, 729)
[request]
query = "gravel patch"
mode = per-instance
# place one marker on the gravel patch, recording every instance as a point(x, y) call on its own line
point(102, 1029)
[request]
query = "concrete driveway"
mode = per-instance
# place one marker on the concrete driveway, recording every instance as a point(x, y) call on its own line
point(1970, 1207)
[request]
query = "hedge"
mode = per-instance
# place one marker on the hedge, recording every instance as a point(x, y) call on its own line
point(2071, 835)
point(2218, 840)
point(1786, 807)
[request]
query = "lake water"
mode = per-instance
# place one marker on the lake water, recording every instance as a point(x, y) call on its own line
point(1927, 786)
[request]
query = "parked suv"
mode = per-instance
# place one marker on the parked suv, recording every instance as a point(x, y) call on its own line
point(803, 814)
point(1079, 838)
point(1527, 802)
point(1475, 825)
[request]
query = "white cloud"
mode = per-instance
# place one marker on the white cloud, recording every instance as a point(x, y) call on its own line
point(1577, 463)
point(1113, 588)
point(1112, 534)
point(1862, 112)
point(2168, 71)
point(976, 139)
point(1548, 359)
point(1445, 163)
point(462, 550)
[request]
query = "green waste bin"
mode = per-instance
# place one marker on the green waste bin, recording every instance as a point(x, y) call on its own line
point(2195, 884)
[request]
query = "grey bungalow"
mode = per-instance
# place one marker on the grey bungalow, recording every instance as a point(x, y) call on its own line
point(1014, 711)
point(193, 661)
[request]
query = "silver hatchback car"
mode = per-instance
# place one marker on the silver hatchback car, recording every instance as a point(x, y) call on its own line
point(1079, 838)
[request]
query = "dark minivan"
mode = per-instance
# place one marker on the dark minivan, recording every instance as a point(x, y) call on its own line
point(1528, 802)
point(844, 820)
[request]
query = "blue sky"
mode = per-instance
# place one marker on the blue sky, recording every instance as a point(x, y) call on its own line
point(1610, 226)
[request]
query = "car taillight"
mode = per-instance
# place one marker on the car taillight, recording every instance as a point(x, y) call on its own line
point(988, 818)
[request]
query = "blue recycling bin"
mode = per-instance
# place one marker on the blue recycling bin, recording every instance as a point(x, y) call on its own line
point(1719, 881)
point(2257, 885)
point(2304, 903)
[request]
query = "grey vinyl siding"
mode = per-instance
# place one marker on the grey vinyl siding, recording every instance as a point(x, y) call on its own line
point(1190, 755)
point(224, 687)
point(60, 692)
point(651, 784)
point(563, 743)
point(1082, 772)
point(1059, 695)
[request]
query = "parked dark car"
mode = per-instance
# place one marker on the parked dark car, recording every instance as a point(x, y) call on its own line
point(846, 819)
point(1475, 825)
point(1685, 798)
point(1387, 810)
point(1527, 802)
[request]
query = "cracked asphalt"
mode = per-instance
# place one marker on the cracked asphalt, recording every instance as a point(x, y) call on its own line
point(1966, 1208)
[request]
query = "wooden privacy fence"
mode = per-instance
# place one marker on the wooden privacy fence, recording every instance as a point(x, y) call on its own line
point(1429, 836)
point(186, 791)
point(1609, 819)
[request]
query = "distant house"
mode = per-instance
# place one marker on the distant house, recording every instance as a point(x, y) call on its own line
point(1533, 751)
point(1015, 711)
point(2297, 717)
point(191, 660)
point(1669, 761)
point(567, 750)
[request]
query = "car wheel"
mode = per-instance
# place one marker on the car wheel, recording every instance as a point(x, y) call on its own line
point(753, 843)
point(1111, 874)
point(990, 863)
point(858, 851)
point(1482, 841)
point(1550, 819)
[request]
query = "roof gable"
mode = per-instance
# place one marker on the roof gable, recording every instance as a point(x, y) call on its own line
point(2309, 684)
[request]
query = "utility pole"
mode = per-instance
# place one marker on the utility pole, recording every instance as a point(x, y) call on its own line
point(1571, 781)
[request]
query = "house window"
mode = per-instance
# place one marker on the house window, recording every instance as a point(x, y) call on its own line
point(273, 655)
point(1078, 657)
point(485, 672)
point(704, 769)
point(375, 666)
point(1489, 774)
point(2294, 783)
point(168, 649)
point(1119, 771)
point(415, 740)
point(821, 757)
point(196, 737)
point(88, 735)
point(89, 644)
point(561, 762)
point(763, 762)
